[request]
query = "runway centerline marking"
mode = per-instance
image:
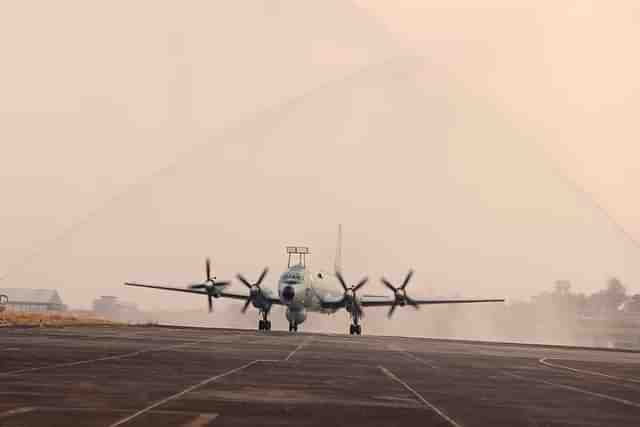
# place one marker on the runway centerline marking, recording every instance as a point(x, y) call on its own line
point(302, 344)
point(420, 397)
point(99, 359)
point(545, 362)
point(576, 389)
point(182, 393)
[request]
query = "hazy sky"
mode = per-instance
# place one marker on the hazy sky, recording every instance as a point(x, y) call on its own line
point(140, 137)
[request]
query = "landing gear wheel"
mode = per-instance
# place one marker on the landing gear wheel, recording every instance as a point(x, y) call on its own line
point(351, 330)
point(267, 325)
point(355, 330)
point(261, 325)
point(293, 327)
point(358, 329)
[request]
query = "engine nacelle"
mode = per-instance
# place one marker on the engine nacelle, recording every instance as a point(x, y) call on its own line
point(296, 316)
point(261, 299)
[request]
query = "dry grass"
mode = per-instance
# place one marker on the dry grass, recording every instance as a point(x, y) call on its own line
point(50, 318)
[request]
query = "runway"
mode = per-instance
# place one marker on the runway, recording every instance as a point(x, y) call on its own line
point(142, 376)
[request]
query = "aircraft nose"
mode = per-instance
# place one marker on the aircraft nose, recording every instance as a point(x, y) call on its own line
point(288, 293)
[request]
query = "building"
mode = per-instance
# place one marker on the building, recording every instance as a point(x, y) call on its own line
point(109, 307)
point(33, 300)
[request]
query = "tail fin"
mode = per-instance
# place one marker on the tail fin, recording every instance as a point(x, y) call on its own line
point(337, 266)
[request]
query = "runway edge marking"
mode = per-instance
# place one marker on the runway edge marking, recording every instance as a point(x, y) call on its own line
point(576, 389)
point(419, 396)
point(182, 393)
point(545, 362)
point(99, 359)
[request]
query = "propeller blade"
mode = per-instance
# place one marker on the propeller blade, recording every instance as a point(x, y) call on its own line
point(246, 305)
point(208, 269)
point(392, 309)
point(341, 279)
point(360, 284)
point(210, 303)
point(223, 283)
point(243, 280)
point(406, 280)
point(411, 302)
point(198, 286)
point(388, 285)
point(262, 276)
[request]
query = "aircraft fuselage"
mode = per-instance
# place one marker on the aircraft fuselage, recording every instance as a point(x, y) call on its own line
point(301, 290)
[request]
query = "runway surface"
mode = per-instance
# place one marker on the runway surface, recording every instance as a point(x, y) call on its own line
point(143, 376)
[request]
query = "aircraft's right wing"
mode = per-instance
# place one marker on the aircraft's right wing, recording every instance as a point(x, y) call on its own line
point(376, 301)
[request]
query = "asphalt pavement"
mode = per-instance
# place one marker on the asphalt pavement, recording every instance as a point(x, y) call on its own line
point(143, 376)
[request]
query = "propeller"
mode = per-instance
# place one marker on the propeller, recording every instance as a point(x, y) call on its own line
point(350, 292)
point(209, 285)
point(254, 288)
point(400, 293)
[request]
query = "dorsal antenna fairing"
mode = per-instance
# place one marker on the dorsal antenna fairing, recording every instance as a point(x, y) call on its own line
point(337, 264)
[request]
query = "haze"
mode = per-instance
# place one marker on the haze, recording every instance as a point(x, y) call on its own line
point(488, 148)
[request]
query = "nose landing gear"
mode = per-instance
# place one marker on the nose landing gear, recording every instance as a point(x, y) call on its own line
point(293, 327)
point(355, 328)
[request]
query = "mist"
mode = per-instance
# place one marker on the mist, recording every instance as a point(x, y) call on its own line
point(139, 139)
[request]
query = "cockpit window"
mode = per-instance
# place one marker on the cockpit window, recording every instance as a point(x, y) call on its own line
point(293, 277)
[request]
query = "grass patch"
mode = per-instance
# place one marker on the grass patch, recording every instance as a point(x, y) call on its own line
point(51, 318)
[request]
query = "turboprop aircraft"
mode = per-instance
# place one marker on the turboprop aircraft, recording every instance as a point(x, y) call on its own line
point(302, 290)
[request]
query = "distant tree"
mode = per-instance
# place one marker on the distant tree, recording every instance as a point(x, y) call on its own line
point(561, 300)
point(607, 301)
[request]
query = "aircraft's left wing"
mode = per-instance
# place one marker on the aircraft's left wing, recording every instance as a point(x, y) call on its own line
point(224, 294)
point(375, 301)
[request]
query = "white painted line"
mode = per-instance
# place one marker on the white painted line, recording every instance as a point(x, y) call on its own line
point(201, 420)
point(577, 389)
point(419, 396)
point(205, 382)
point(105, 410)
point(302, 344)
point(100, 359)
point(16, 411)
point(584, 371)
point(10, 349)
point(424, 362)
point(180, 394)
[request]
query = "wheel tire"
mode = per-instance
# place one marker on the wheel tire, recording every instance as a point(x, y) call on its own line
point(358, 330)
point(351, 331)
point(260, 325)
point(267, 325)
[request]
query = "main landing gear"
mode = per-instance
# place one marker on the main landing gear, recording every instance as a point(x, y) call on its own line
point(264, 324)
point(293, 327)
